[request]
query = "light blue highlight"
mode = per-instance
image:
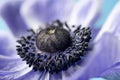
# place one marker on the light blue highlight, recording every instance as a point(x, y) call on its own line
point(3, 25)
point(106, 9)
point(97, 79)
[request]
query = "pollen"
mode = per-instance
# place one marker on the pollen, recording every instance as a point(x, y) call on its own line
point(51, 31)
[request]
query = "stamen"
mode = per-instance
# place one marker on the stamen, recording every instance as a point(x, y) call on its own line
point(60, 61)
point(67, 26)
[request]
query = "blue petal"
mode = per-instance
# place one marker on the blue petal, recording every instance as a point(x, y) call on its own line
point(11, 64)
point(94, 33)
point(16, 69)
point(106, 50)
point(105, 54)
point(7, 44)
point(38, 12)
point(10, 12)
point(32, 75)
point(85, 12)
point(46, 11)
point(10, 61)
point(112, 73)
point(66, 75)
point(12, 67)
point(112, 23)
point(55, 76)
point(7, 75)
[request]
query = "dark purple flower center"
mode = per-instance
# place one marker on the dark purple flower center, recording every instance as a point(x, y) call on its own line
point(53, 39)
point(37, 47)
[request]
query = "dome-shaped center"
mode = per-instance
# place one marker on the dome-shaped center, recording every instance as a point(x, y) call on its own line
point(53, 39)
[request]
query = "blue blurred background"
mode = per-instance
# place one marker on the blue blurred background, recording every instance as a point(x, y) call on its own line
point(107, 7)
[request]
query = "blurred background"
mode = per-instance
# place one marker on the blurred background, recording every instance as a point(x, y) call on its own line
point(106, 8)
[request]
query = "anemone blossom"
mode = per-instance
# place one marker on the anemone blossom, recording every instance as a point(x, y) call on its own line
point(62, 45)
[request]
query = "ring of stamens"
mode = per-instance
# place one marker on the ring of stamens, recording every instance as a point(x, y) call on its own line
point(28, 51)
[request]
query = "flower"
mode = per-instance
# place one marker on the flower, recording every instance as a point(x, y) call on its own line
point(102, 61)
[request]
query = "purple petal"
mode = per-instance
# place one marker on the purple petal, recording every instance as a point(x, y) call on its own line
point(106, 51)
point(11, 68)
point(69, 72)
point(7, 44)
point(7, 75)
point(85, 12)
point(94, 33)
point(56, 76)
point(38, 12)
point(32, 75)
point(112, 74)
point(10, 11)
point(9, 59)
point(112, 23)
point(105, 54)
point(11, 64)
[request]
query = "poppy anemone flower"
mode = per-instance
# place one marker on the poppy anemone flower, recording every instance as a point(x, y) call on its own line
point(58, 51)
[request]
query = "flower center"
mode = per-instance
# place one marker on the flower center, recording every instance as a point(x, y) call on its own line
point(53, 39)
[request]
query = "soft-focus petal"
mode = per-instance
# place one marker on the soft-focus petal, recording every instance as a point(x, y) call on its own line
point(56, 76)
point(112, 24)
point(10, 63)
point(94, 33)
point(105, 54)
point(70, 72)
point(106, 50)
point(38, 12)
point(7, 44)
point(10, 11)
point(112, 74)
point(32, 75)
point(12, 67)
point(7, 75)
point(85, 12)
